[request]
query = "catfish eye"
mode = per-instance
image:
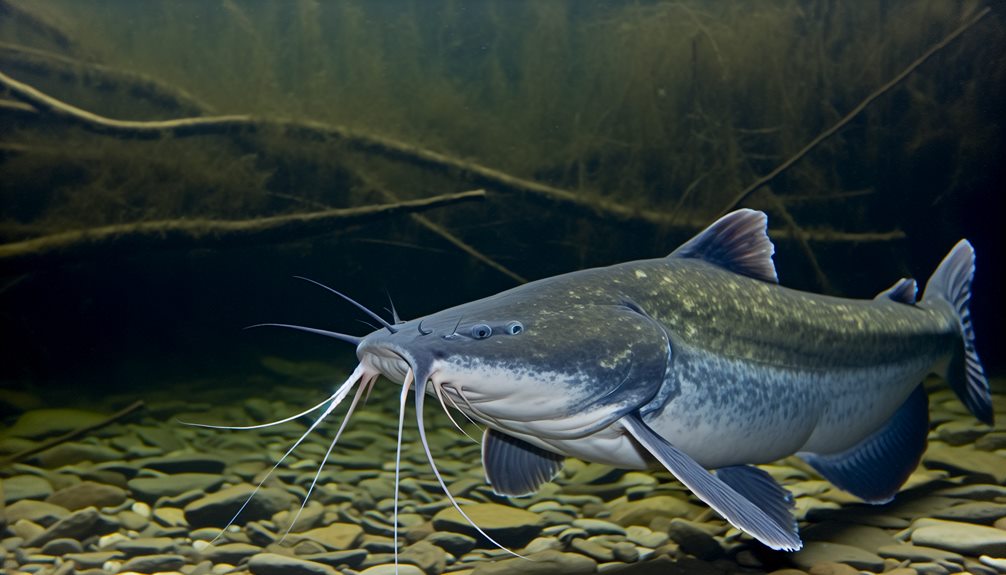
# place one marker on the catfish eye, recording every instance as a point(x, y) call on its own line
point(481, 331)
point(514, 327)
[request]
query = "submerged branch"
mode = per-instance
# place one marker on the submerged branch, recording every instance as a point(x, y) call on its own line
point(783, 167)
point(103, 78)
point(189, 233)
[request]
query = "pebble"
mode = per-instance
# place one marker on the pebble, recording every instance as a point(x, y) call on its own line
point(218, 508)
point(509, 526)
point(984, 512)
point(333, 537)
point(40, 512)
point(88, 494)
point(21, 487)
point(276, 564)
point(146, 546)
point(544, 563)
point(62, 546)
point(154, 563)
point(643, 511)
point(599, 527)
point(694, 540)
point(815, 552)
point(186, 463)
point(456, 544)
point(352, 558)
point(391, 570)
point(150, 489)
point(919, 554)
point(77, 525)
point(963, 538)
point(44, 423)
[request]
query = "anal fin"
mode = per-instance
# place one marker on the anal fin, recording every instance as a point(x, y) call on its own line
point(876, 467)
point(514, 467)
point(769, 526)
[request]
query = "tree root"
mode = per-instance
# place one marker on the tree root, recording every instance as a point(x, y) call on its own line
point(189, 233)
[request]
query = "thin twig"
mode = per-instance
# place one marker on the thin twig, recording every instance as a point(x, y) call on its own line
point(781, 168)
point(443, 232)
point(70, 436)
point(184, 233)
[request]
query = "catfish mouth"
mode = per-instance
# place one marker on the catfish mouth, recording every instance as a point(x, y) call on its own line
point(389, 362)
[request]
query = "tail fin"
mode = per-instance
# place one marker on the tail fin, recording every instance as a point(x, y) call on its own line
point(951, 283)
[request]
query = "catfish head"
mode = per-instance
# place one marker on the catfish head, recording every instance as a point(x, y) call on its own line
point(527, 362)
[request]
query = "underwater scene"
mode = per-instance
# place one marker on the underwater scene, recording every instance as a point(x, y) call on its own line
point(428, 287)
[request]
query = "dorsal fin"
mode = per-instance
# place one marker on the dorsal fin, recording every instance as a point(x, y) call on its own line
point(737, 242)
point(903, 291)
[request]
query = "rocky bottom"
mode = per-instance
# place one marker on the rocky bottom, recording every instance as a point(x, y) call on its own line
point(151, 495)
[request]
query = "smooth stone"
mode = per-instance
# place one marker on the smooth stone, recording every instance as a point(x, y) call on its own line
point(276, 564)
point(984, 512)
point(93, 559)
point(335, 536)
point(232, 553)
point(186, 463)
point(599, 527)
point(21, 487)
point(44, 423)
point(592, 549)
point(997, 563)
point(544, 563)
point(75, 452)
point(26, 530)
point(861, 536)
point(150, 489)
point(391, 570)
point(979, 491)
point(694, 540)
point(967, 460)
point(645, 537)
point(539, 544)
point(427, 556)
point(918, 553)
point(308, 547)
point(159, 437)
point(963, 538)
point(45, 514)
point(154, 563)
point(456, 544)
point(88, 494)
point(815, 552)
point(147, 546)
point(351, 558)
point(832, 568)
point(993, 441)
point(625, 552)
point(509, 526)
point(957, 432)
point(644, 511)
point(62, 546)
point(132, 520)
point(170, 517)
point(218, 508)
point(78, 525)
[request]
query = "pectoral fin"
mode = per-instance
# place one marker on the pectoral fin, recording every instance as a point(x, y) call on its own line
point(771, 527)
point(513, 466)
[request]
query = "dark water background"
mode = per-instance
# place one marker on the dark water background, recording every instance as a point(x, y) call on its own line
point(663, 108)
